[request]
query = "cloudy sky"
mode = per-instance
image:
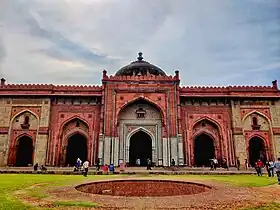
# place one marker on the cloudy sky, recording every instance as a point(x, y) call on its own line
point(211, 42)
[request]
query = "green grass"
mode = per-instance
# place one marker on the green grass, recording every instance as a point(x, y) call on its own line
point(271, 206)
point(75, 203)
point(13, 182)
point(9, 183)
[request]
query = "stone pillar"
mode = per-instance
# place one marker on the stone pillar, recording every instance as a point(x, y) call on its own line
point(40, 149)
point(180, 150)
point(115, 151)
point(165, 151)
point(174, 149)
point(107, 148)
point(100, 148)
point(277, 146)
point(4, 149)
point(240, 147)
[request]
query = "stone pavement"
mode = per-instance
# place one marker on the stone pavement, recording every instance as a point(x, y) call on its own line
point(131, 170)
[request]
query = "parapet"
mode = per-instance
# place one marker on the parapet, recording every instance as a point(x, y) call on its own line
point(232, 90)
point(38, 89)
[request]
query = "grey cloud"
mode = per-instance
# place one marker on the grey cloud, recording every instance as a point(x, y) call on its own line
point(210, 42)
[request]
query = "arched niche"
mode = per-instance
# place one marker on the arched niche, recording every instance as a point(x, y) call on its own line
point(204, 149)
point(144, 115)
point(76, 148)
point(257, 150)
point(24, 151)
point(71, 131)
point(208, 131)
point(129, 112)
point(256, 121)
point(140, 147)
point(25, 120)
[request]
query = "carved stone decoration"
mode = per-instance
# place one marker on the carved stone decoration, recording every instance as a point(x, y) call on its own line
point(140, 113)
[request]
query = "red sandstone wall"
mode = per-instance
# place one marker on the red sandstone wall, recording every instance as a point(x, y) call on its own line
point(161, 96)
point(62, 113)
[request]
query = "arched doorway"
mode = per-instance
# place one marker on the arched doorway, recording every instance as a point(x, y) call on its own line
point(140, 148)
point(204, 150)
point(76, 148)
point(24, 151)
point(256, 150)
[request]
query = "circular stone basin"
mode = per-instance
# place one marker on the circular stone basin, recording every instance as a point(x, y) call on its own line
point(143, 188)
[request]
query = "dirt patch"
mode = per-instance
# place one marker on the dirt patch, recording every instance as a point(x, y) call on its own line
point(143, 188)
point(219, 196)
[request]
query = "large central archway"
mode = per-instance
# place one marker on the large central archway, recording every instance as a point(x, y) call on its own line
point(76, 148)
point(24, 151)
point(140, 148)
point(204, 150)
point(256, 150)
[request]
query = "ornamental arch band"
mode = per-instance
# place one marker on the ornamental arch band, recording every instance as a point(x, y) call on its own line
point(138, 113)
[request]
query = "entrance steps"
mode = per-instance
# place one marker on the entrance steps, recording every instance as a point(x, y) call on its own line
point(132, 170)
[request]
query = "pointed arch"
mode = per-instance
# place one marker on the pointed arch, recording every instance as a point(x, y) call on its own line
point(204, 149)
point(65, 136)
point(255, 112)
point(257, 149)
point(24, 150)
point(77, 131)
point(22, 135)
point(140, 143)
point(147, 100)
point(21, 112)
point(209, 119)
point(129, 135)
point(72, 119)
point(140, 129)
point(77, 147)
point(205, 132)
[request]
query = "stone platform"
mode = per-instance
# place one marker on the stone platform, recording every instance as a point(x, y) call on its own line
point(129, 171)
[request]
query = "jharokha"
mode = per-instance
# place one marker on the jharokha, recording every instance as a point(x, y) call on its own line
point(138, 113)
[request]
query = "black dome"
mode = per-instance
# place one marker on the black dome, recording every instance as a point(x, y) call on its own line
point(139, 68)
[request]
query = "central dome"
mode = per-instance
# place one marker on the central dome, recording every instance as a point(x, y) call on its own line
point(140, 68)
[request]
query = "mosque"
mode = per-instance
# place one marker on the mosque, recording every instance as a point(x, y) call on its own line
point(138, 113)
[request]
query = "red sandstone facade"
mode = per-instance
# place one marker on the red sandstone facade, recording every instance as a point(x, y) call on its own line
point(183, 123)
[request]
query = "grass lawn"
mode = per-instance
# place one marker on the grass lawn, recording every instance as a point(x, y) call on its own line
point(13, 182)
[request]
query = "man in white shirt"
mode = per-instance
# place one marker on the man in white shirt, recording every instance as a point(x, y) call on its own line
point(277, 167)
point(85, 166)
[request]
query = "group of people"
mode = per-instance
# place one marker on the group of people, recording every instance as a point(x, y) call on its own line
point(270, 167)
point(81, 167)
point(149, 163)
point(42, 167)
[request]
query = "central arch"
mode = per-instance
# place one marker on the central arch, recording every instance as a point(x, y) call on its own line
point(76, 148)
point(140, 148)
point(24, 151)
point(204, 150)
point(256, 150)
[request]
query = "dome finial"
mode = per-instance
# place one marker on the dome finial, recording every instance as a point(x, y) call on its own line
point(140, 58)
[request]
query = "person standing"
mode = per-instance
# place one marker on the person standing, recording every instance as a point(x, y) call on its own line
point(238, 163)
point(138, 162)
point(149, 164)
point(277, 168)
point(215, 161)
point(246, 164)
point(267, 165)
point(85, 166)
point(271, 167)
point(259, 165)
point(79, 163)
point(98, 164)
point(36, 167)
